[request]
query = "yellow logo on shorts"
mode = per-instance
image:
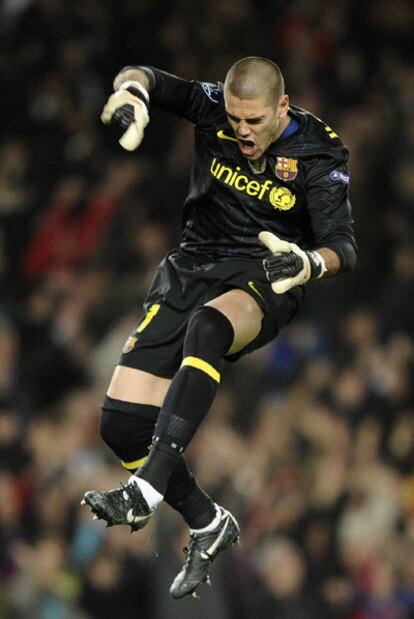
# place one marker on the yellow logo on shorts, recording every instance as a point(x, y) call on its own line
point(282, 198)
point(253, 287)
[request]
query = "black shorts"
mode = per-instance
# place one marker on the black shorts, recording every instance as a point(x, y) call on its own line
point(183, 282)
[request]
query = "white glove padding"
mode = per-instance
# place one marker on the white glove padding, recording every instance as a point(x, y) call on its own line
point(128, 111)
point(290, 266)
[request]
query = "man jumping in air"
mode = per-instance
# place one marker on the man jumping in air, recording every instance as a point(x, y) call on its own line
point(267, 211)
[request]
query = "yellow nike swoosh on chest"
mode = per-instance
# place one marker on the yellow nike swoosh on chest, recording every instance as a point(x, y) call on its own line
point(222, 136)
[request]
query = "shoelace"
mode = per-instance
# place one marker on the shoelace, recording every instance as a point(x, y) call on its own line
point(189, 551)
point(116, 495)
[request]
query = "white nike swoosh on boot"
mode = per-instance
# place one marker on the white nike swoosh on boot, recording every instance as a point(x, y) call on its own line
point(134, 519)
point(207, 554)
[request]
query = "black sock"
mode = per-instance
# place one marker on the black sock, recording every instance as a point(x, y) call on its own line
point(209, 336)
point(188, 498)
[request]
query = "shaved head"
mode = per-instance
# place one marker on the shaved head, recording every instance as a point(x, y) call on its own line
point(254, 77)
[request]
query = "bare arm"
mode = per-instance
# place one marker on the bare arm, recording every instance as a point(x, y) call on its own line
point(134, 75)
point(332, 261)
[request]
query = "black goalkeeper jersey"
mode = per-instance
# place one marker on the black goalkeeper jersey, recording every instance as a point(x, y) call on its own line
point(302, 195)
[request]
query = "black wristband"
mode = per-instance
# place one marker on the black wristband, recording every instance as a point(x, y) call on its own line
point(140, 95)
point(138, 91)
point(317, 264)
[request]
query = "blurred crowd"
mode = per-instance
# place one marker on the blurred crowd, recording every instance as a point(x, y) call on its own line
point(310, 441)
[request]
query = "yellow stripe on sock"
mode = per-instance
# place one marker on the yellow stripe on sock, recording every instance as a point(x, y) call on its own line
point(136, 464)
point(196, 362)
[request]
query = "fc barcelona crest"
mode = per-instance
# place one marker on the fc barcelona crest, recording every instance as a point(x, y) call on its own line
point(286, 169)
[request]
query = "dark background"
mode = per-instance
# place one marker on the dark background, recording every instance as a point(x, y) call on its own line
point(310, 441)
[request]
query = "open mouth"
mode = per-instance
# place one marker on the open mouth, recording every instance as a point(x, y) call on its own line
point(247, 147)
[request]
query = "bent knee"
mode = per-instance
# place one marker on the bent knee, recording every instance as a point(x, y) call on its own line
point(209, 334)
point(127, 428)
point(205, 323)
point(244, 314)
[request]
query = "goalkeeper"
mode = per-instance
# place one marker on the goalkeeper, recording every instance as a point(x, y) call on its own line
point(267, 212)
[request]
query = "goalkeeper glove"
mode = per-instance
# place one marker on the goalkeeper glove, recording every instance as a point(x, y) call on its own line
point(289, 265)
point(128, 108)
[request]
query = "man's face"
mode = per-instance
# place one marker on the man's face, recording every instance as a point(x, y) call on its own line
point(256, 124)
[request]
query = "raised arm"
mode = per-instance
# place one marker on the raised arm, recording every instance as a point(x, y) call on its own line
point(128, 106)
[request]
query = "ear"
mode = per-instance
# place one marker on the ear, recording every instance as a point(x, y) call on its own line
point(283, 106)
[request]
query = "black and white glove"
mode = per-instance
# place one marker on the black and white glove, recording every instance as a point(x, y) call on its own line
point(128, 108)
point(289, 265)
